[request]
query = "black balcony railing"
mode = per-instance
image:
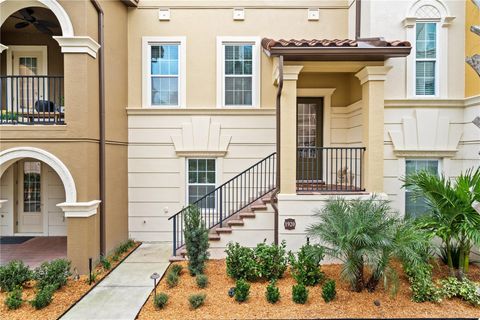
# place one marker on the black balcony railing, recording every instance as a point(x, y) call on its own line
point(330, 169)
point(31, 100)
point(229, 198)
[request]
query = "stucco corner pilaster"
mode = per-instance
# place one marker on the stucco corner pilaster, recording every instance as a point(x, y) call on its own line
point(79, 44)
point(79, 209)
point(373, 73)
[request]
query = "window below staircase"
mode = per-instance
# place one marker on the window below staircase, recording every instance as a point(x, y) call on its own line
point(201, 181)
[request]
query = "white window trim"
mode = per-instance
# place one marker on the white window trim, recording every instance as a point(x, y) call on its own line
point(217, 176)
point(182, 71)
point(437, 59)
point(255, 41)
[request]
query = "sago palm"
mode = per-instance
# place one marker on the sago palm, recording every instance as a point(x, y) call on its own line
point(451, 216)
point(366, 235)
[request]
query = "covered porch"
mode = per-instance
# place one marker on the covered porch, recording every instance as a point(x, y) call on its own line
point(330, 101)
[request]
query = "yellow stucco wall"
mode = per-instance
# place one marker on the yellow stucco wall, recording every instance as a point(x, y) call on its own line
point(472, 46)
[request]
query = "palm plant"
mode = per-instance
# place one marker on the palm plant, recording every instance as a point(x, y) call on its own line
point(366, 236)
point(451, 216)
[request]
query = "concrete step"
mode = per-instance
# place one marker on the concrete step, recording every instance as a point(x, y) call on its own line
point(176, 259)
point(213, 237)
point(258, 207)
point(223, 230)
point(235, 222)
point(246, 215)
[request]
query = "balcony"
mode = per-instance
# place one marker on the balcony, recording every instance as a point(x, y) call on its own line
point(32, 100)
point(330, 169)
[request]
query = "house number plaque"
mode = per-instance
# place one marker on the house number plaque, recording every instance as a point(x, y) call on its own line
point(289, 224)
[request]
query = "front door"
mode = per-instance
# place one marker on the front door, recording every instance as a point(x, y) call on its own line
point(28, 62)
point(309, 139)
point(30, 205)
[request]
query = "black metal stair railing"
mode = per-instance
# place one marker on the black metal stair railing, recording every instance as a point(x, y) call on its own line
point(229, 198)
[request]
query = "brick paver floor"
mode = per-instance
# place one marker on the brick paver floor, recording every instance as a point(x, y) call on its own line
point(34, 251)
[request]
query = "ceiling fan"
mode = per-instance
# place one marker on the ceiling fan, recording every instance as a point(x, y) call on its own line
point(28, 19)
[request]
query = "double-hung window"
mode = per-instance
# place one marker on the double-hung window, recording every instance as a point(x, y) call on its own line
point(426, 59)
point(201, 181)
point(164, 78)
point(415, 206)
point(238, 68)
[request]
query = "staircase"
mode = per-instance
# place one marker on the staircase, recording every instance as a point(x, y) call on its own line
point(233, 211)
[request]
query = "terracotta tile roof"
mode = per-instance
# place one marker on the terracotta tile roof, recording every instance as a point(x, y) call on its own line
point(319, 43)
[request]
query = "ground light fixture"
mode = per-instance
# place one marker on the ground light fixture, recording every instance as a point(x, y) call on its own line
point(154, 276)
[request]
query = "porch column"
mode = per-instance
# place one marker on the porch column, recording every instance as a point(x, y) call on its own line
point(288, 130)
point(373, 101)
point(83, 231)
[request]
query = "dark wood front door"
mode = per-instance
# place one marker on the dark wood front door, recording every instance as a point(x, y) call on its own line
point(309, 138)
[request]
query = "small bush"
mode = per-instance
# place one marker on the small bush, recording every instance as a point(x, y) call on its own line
point(14, 274)
point(305, 266)
point(196, 241)
point(124, 247)
point(202, 281)
point(14, 298)
point(55, 272)
point(197, 300)
point(465, 290)
point(160, 301)
point(241, 262)
point(299, 293)
point(105, 263)
point(172, 279)
point(272, 293)
point(115, 257)
point(43, 297)
point(176, 268)
point(271, 260)
point(242, 290)
point(328, 291)
point(421, 284)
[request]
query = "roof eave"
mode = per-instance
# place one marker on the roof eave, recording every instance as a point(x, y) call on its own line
point(338, 53)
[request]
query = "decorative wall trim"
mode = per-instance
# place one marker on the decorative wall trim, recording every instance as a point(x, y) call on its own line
point(426, 132)
point(9, 156)
point(79, 209)
point(202, 111)
point(78, 45)
point(201, 136)
point(2, 202)
point(373, 73)
point(3, 47)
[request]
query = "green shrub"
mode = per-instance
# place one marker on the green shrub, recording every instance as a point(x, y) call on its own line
point(272, 293)
point(271, 260)
point(242, 290)
point(421, 284)
point(197, 300)
point(299, 293)
point(55, 272)
point(43, 297)
point(160, 301)
point(328, 291)
point(14, 298)
point(176, 268)
point(172, 279)
point(105, 263)
point(124, 247)
point(115, 257)
point(465, 290)
point(196, 241)
point(241, 262)
point(202, 281)
point(14, 274)
point(305, 267)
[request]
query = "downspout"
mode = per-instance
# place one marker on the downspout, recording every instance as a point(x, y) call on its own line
point(277, 173)
point(101, 89)
point(358, 18)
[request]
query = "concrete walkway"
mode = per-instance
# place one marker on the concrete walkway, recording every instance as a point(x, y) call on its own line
point(123, 292)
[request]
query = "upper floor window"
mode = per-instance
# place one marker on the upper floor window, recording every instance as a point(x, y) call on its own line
point(164, 72)
point(426, 59)
point(238, 72)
